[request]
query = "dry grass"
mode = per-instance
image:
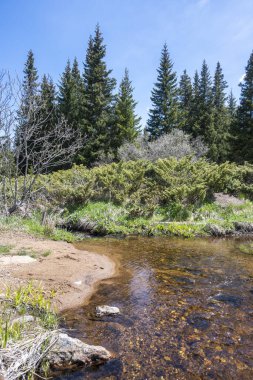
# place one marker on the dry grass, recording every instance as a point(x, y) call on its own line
point(22, 358)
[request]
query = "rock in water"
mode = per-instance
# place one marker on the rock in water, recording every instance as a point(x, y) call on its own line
point(69, 351)
point(106, 310)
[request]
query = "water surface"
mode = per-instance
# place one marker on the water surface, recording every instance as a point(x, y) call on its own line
point(187, 311)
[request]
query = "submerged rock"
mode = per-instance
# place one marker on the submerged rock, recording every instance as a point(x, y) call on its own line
point(72, 352)
point(235, 301)
point(107, 310)
point(198, 321)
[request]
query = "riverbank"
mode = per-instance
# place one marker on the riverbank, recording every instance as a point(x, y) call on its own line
point(71, 275)
point(225, 216)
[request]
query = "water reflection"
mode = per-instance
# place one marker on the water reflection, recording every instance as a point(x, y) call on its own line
point(186, 311)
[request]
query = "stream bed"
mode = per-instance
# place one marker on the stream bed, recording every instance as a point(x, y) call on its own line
point(186, 310)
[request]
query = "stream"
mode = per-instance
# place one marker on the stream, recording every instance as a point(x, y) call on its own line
point(186, 310)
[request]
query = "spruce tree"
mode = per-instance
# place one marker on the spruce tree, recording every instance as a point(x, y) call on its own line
point(28, 109)
point(163, 116)
point(243, 130)
point(194, 126)
point(219, 145)
point(47, 112)
point(64, 92)
point(204, 125)
point(48, 109)
point(232, 106)
point(71, 96)
point(127, 123)
point(185, 93)
point(76, 114)
point(99, 100)
point(29, 93)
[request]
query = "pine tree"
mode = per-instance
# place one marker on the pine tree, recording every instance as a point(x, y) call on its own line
point(99, 99)
point(127, 123)
point(243, 130)
point(219, 145)
point(163, 116)
point(29, 107)
point(185, 102)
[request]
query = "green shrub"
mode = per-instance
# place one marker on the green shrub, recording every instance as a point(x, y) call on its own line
point(142, 183)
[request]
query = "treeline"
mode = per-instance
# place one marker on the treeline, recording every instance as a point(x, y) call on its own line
point(105, 119)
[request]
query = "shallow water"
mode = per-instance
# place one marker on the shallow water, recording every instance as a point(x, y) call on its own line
point(187, 311)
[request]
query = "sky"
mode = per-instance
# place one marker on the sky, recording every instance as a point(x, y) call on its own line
point(134, 32)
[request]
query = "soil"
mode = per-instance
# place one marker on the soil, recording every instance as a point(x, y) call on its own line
point(72, 273)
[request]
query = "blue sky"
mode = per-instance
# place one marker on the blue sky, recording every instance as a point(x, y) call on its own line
point(134, 31)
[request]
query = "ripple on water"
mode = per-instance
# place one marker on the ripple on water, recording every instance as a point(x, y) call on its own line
point(186, 311)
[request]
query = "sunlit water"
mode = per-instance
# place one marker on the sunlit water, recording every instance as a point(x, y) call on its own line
point(187, 311)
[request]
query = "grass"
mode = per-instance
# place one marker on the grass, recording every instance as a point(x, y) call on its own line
point(246, 248)
point(27, 299)
point(24, 345)
point(27, 252)
point(5, 249)
point(173, 219)
point(34, 227)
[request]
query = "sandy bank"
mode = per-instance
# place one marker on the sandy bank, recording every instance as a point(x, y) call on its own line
point(73, 274)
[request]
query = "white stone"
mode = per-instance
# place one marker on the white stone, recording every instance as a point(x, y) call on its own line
point(107, 310)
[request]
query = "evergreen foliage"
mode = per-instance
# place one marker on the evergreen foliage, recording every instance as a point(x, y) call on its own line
point(232, 106)
point(219, 147)
point(29, 105)
point(243, 128)
point(77, 94)
point(64, 93)
point(48, 109)
point(99, 98)
point(144, 183)
point(185, 102)
point(71, 98)
point(127, 123)
point(195, 108)
point(163, 116)
point(205, 125)
point(200, 107)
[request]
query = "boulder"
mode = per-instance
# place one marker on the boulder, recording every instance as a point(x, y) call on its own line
point(107, 310)
point(70, 352)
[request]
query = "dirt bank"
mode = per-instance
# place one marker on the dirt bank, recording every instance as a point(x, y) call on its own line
point(71, 273)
